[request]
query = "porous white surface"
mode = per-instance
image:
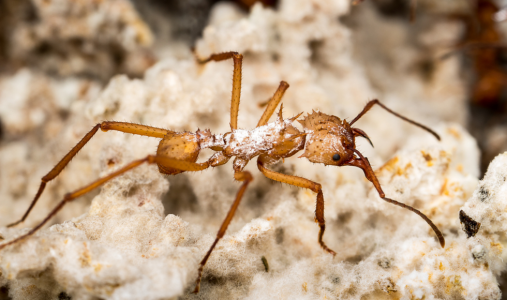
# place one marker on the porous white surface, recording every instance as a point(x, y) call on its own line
point(488, 207)
point(80, 37)
point(125, 246)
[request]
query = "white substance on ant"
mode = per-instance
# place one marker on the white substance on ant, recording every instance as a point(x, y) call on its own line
point(247, 144)
point(208, 140)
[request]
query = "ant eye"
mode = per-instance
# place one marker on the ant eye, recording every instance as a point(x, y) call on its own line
point(336, 157)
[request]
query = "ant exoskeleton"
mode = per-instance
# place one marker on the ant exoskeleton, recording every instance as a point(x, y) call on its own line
point(325, 139)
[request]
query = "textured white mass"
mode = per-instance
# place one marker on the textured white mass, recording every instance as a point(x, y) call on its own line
point(144, 234)
point(488, 207)
point(77, 37)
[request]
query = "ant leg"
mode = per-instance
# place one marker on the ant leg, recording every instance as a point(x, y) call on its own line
point(182, 164)
point(133, 128)
point(273, 103)
point(104, 126)
point(71, 196)
point(236, 81)
point(307, 184)
point(150, 159)
point(370, 104)
point(56, 170)
point(246, 177)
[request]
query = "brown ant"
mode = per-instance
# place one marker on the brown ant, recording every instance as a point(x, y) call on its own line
point(325, 139)
point(485, 52)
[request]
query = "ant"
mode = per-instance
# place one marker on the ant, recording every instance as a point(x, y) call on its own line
point(325, 139)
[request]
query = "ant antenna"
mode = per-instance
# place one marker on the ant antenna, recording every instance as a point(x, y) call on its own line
point(370, 104)
point(363, 163)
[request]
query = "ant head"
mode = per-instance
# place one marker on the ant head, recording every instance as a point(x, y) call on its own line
point(329, 140)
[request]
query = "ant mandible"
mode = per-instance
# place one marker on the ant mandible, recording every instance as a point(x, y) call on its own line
point(325, 139)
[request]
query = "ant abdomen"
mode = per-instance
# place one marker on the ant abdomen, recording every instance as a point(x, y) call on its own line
point(182, 146)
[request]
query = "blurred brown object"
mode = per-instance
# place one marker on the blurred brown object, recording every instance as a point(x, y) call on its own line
point(485, 53)
point(250, 3)
point(484, 44)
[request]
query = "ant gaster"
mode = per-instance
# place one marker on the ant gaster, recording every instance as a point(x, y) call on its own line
point(325, 139)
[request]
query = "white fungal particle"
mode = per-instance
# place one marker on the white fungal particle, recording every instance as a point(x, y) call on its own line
point(247, 144)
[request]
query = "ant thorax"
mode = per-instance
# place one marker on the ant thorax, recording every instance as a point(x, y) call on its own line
point(279, 139)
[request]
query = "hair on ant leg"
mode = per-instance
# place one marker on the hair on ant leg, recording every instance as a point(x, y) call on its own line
point(325, 139)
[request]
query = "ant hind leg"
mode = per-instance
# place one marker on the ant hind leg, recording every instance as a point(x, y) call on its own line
point(150, 159)
point(56, 171)
point(104, 126)
point(80, 192)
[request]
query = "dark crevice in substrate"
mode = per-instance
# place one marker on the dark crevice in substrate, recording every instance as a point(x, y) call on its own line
point(4, 293)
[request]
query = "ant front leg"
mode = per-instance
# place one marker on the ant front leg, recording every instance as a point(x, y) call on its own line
point(246, 177)
point(236, 81)
point(104, 126)
point(307, 184)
